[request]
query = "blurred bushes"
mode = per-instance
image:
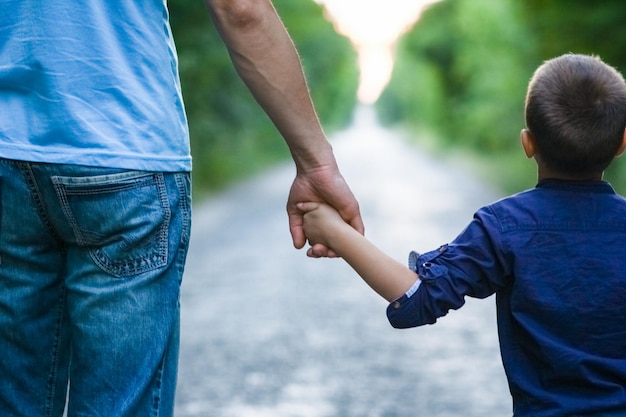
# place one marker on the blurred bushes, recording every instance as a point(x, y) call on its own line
point(230, 135)
point(460, 78)
point(461, 74)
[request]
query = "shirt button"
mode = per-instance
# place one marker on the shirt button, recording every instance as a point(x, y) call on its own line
point(397, 305)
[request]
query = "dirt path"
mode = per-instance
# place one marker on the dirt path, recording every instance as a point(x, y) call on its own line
point(268, 332)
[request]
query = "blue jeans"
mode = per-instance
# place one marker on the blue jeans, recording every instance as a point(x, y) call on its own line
point(91, 262)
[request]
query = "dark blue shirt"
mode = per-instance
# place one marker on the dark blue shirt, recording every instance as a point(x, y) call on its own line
point(555, 256)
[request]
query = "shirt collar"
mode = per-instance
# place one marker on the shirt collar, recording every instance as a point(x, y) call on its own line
point(602, 187)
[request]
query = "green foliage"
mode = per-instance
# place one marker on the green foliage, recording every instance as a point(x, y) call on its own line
point(579, 26)
point(329, 60)
point(468, 59)
point(230, 135)
point(460, 76)
point(595, 28)
point(462, 72)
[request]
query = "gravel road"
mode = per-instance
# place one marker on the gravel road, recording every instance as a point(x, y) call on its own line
point(267, 332)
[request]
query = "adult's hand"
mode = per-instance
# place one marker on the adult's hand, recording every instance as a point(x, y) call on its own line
point(323, 184)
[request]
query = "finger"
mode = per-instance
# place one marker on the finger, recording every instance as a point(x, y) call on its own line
point(295, 228)
point(352, 216)
point(307, 206)
point(297, 237)
point(321, 251)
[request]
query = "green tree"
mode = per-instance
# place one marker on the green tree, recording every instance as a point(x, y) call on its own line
point(579, 26)
point(594, 28)
point(230, 135)
point(462, 73)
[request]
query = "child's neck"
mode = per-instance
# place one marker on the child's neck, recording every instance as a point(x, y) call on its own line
point(544, 173)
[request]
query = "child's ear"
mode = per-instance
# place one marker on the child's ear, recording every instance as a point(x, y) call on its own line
point(622, 147)
point(528, 142)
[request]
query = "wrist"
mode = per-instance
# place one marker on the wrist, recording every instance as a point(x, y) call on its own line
point(315, 155)
point(341, 237)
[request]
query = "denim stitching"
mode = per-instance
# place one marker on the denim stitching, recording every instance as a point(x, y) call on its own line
point(54, 370)
point(167, 210)
point(156, 400)
point(31, 182)
point(181, 182)
point(126, 267)
point(136, 266)
point(1, 215)
point(64, 203)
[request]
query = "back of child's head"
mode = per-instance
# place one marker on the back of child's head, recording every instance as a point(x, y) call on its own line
point(576, 112)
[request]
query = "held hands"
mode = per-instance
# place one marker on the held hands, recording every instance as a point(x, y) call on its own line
point(324, 184)
point(321, 225)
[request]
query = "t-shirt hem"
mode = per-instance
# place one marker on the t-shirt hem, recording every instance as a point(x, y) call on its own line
point(157, 163)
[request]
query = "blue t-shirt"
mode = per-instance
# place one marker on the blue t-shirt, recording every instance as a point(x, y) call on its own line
point(555, 258)
point(91, 82)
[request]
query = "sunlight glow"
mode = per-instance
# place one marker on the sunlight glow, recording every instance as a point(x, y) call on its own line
point(374, 26)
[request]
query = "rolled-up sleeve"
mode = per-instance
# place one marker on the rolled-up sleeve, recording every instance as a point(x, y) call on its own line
point(468, 266)
point(404, 312)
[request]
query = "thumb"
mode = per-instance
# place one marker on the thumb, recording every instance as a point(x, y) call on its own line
point(308, 206)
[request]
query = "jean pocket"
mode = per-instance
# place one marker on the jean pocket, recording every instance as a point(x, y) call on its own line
point(122, 219)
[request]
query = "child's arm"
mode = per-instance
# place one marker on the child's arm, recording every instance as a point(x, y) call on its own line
point(388, 277)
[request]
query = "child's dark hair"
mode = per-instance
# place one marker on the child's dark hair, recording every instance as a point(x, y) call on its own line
point(576, 111)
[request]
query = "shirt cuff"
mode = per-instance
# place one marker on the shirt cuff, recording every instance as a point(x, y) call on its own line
point(413, 288)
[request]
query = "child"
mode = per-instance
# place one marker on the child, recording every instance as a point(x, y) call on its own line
point(555, 255)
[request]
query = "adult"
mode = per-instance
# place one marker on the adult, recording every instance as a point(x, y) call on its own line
point(95, 193)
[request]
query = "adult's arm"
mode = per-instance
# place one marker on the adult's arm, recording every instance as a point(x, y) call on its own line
point(267, 61)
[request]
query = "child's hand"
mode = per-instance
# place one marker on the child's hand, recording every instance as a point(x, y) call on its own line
point(321, 223)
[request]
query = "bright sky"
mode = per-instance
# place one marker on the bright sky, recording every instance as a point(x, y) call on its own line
point(374, 26)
